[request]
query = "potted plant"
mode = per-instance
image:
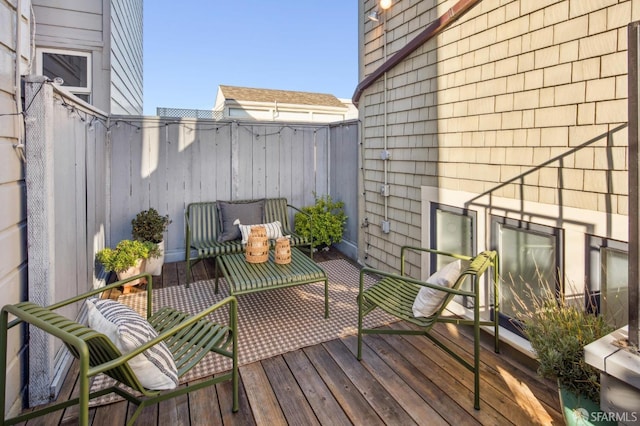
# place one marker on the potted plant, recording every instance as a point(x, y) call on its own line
point(558, 332)
point(126, 259)
point(326, 218)
point(149, 225)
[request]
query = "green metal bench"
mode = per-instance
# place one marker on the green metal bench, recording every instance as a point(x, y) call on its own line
point(203, 226)
point(396, 294)
point(189, 338)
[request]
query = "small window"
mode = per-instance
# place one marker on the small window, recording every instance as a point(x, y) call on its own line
point(74, 68)
point(608, 275)
point(453, 231)
point(530, 262)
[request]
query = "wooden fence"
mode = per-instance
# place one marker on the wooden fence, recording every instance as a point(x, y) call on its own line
point(167, 164)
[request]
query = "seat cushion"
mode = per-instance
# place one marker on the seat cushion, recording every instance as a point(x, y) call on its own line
point(155, 367)
point(229, 212)
point(428, 300)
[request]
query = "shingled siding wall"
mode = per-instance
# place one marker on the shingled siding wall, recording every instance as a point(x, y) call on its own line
point(521, 101)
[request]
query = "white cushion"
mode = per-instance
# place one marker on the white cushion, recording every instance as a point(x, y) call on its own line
point(274, 230)
point(155, 367)
point(428, 300)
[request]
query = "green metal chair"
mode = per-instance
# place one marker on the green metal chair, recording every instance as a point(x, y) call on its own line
point(188, 337)
point(396, 294)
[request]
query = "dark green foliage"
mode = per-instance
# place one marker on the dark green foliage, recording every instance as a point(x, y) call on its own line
point(326, 219)
point(148, 225)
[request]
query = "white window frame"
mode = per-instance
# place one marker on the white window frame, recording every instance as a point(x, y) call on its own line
point(73, 89)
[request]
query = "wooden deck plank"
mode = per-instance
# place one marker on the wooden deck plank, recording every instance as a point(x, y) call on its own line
point(495, 396)
point(111, 415)
point(346, 393)
point(447, 375)
point(174, 411)
point(418, 407)
point(388, 408)
point(325, 406)
point(244, 416)
point(508, 384)
point(420, 381)
point(263, 401)
point(204, 407)
point(294, 405)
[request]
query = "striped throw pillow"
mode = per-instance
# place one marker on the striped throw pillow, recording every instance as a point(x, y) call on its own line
point(274, 230)
point(155, 367)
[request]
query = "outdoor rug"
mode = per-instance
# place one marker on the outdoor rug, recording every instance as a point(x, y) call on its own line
point(271, 322)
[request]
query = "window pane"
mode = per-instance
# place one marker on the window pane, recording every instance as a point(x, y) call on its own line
point(527, 266)
point(614, 302)
point(453, 234)
point(72, 69)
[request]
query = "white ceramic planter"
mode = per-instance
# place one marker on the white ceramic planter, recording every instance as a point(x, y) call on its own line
point(154, 264)
point(134, 270)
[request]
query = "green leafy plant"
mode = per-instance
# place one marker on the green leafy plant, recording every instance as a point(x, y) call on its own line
point(558, 332)
point(326, 218)
point(149, 225)
point(125, 255)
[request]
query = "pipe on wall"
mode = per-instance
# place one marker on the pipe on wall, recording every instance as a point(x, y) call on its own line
point(436, 27)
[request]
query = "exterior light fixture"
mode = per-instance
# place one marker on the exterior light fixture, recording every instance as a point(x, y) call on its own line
point(374, 15)
point(385, 4)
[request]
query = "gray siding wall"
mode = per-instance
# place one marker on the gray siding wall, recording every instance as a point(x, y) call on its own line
point(484, 106)
point(73, 25)
point(112, 32)
point(13, 213)
point(126, 57)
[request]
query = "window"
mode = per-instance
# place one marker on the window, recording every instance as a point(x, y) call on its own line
point(530, 259)
point(608, 272)
point(74, 68)
point(452, 230)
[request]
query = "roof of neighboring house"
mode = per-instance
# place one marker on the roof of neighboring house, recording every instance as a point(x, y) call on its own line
point(280, 96)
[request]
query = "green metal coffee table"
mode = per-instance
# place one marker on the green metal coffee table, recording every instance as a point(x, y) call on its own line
point(244, 277)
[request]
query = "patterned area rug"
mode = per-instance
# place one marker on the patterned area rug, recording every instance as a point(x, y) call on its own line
point(270, 322)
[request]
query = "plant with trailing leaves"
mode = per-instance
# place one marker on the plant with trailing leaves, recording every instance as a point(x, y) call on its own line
point(125, 255)
point(149, 225)
point(558, 332)
point(326, 218)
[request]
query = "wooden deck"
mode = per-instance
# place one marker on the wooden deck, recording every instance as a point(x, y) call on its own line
point(400, 381)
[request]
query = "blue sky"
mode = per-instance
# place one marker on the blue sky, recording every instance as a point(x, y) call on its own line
point(191, 47)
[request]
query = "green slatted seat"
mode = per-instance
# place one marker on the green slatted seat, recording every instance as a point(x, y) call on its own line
point(188, 337)
point(203, 226)
point(396, 294)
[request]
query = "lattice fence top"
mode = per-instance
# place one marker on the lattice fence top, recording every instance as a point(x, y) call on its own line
point(189, 113)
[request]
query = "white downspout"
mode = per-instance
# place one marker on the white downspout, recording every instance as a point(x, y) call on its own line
point(385, 189)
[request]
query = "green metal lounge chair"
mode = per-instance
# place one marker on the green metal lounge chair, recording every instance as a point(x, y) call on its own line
point(396, 294)
point(189, 338)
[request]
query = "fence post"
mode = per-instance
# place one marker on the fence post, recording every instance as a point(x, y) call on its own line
point(40, 228)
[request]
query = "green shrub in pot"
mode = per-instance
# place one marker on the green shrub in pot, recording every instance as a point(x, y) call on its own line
point(149, 225)
point(326, 218)
point(124, 256)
